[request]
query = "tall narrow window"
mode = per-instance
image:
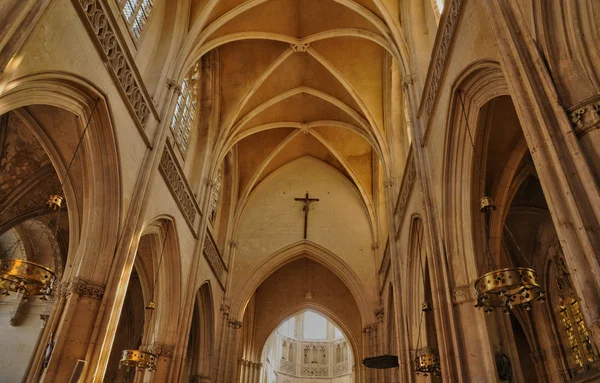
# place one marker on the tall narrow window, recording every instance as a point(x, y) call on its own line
point(575, 331)
point(214, 195)
point(136, 13)
point(185, 109)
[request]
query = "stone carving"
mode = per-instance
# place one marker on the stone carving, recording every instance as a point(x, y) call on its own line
point(314, 371)
point(287, 367)
point(379, 313)
point(440, 54)
point(214, 259)
point(407, 185)
point(463, 294)
point(340, 368)
point(372, 327)
point(586, 117)
point(179, 187)
point(172, 84)
point(388, 182)
point(299, 47)
point(159, 349)
point(82, 288)
point(115, 55)
point(235, 324)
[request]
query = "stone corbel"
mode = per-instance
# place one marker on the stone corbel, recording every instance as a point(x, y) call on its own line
point(233, 244)
point(408, 81)
point(388, 182)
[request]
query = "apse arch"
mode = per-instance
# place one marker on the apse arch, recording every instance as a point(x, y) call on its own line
point(290, 253)
point(331, 316)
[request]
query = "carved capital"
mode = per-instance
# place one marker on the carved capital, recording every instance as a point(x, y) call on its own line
point(371, 327)
point(379, 313)
point(225, 305)
point(159, 349)
point(300, 47)
point(585, 117)
point(208, 182)
point(235, 324)
point(232, 243)
point(82, 288)
point(388, 182)
point(463, 294)
point(375, 246)
point(173, 85)
point(408, 81)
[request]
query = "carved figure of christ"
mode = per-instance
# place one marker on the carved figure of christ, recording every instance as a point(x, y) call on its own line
point(306, 200)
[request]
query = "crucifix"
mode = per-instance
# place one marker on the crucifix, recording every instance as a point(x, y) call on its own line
point(307, 202)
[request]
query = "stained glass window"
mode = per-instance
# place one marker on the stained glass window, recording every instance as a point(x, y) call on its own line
point(136, 14)
point(185, 109)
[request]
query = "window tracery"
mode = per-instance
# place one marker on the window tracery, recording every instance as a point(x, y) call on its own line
point(136, 14)
point(185, 109)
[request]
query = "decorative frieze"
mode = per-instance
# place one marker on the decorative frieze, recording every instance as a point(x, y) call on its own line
point(585, 117)
point(179, 187)
point(82, 288)
point(440, 52)
point(463, 294)
point(408, 182)
point(211, 253)
point(119, 62)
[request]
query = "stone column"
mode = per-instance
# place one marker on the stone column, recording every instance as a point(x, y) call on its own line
point(164, 355)
point(567, 181)
point(73, 329)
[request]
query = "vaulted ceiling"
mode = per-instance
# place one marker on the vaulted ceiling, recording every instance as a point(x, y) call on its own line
point(298, 78)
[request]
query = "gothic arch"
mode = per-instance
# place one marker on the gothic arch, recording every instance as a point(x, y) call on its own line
point(479, 83)
point(290, 253)
point(100, 182)
point(202, 335)
point(321, 310)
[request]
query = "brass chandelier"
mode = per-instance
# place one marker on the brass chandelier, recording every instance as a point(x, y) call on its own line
point(500, 287)
point(427, 360)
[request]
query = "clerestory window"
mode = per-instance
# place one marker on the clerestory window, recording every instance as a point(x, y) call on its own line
point(136, 14)
point(185, 109)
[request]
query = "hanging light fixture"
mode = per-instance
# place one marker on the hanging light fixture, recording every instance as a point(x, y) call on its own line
point(30, 278)
point(427, 360)
point(141, 360)
point(500, 287)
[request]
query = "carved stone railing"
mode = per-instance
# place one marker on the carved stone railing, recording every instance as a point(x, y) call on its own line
point(287, 367)
point(314, 371)
point(408, 181)
point(384, 268)
point(441, 47)
point(215, 261)
point(107, 37)
point(177, 183)
point(340, 368)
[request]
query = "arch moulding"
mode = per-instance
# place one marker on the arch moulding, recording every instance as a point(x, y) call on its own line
point(291, 253)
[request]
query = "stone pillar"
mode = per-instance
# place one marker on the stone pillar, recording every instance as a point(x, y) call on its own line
point(568, 183)
point(73, 329)
point(164, 355)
